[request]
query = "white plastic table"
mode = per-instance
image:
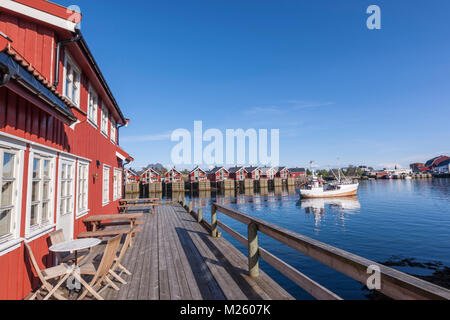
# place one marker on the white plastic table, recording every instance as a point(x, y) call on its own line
point(75, 245)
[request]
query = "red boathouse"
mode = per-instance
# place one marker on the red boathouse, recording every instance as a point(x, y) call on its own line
point(60, 160)
point(173, 175)
point(150, 176)
point(218, 174)
point(197, 174)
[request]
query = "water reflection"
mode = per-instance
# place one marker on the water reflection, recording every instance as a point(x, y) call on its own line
point(341, 206)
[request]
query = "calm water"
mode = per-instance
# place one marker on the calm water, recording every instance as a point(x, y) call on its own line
point(399, 218)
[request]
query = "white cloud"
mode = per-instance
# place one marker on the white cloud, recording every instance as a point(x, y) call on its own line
point(149, 137)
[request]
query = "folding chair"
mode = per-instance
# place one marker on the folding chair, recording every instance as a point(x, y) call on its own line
point(61, 271)
point(101, 273)
point(58, 237)
point(118, 269)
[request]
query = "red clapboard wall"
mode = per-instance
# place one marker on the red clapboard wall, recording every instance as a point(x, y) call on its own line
point(31, 121)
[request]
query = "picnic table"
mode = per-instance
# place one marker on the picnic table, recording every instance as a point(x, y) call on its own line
point(137, 201)
point(124, 224)
point(124, 208)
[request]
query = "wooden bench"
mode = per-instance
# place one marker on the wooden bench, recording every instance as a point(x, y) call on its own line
point(108, 232)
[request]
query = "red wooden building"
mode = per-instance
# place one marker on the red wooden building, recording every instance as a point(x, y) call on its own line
point(218, 174)
point(197, 174)
point(237, 173)
point(282, 172)
point(150, 176)
point(268, 172)
point(173, 175)
point(297, 172)
point(59, 155)
point(253, 173)
point(131, 176)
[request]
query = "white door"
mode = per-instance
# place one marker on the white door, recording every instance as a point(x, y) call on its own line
point(66, 187)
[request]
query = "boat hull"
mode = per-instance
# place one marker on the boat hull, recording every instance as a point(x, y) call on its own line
point(345, 191)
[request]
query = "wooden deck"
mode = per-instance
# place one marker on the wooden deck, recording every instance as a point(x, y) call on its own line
point(175, 258)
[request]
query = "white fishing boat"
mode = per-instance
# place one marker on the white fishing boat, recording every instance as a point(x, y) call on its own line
point(342, 187)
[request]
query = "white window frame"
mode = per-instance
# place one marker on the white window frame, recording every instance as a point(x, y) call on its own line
point(82, 211)
point(92, 114)
point(105, 186)
point(72, 195)
point(77, 80)
point(104, 120)
point(41, 228)
point(113, 134)
point(117, 184)
point(12, 240)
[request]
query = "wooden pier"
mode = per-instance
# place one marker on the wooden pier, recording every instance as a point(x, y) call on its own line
point(175, 258)
point(181, 256)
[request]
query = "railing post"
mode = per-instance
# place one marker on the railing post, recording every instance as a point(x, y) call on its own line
point(253, 250)
point(200, 215)
point(214, 221)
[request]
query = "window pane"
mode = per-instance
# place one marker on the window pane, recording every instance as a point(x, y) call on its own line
point(8, 165)
point(36, 167)
point(62, 206)
point(34, 214)
point(68, 205)
point(69, 172)
point(46, 189)
point(47, 169)
point(5, 222)
point(45, 212)
point(63, 188)
point(35, 191)
point(7, 193)
point(63, 171)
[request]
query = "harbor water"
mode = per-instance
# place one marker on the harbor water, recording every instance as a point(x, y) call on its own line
point(402, 223)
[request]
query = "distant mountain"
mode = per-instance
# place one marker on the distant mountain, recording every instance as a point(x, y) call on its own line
point(157, 166)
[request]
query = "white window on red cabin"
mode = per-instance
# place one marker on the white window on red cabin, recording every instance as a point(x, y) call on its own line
point(72, 80)
point(113, 130)
point(92, 106)
point(10, 180)
point(105, 116)
point(105, 199)
point(82, 186)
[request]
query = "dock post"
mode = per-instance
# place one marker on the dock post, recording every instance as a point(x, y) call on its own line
point(253, 250)
point(190, 206)
point(200, 215)
point(214, 221)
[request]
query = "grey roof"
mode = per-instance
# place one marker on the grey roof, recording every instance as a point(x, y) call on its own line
point(214, 170)
point(297, 170)
point(235, 169)
point(196, 169)
point(251, 169)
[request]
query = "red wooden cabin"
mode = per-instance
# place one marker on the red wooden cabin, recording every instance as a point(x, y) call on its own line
point(197, 175)
point(173, 175)
point(282, 172)
point(59, 155)
point(253, 173)
point(150, 176)
point(131, 176)
point(297, 172)
point(238, 173)
point(268, 173)
point(218, 174)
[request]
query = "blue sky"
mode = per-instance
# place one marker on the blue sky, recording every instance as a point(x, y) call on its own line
point(309, 68)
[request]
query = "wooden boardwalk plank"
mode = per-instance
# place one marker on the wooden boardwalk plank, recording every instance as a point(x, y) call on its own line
point(175, 258)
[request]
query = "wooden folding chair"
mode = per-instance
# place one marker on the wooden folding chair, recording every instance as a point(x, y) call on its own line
point(118, 269)
point(101, 273)
point(61, 271)
point(58, 237)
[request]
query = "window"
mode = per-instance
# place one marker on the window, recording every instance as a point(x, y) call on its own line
point(105, 185)
point(41, 196)
point(92, 106)
point(104, 120)
point(66, 188)
point(117, 184)
point(83, 184)
point(8, 200)
point(72, 78)
point(113, 130)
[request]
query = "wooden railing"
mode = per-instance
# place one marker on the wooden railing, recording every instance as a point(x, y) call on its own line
point(393, 283)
